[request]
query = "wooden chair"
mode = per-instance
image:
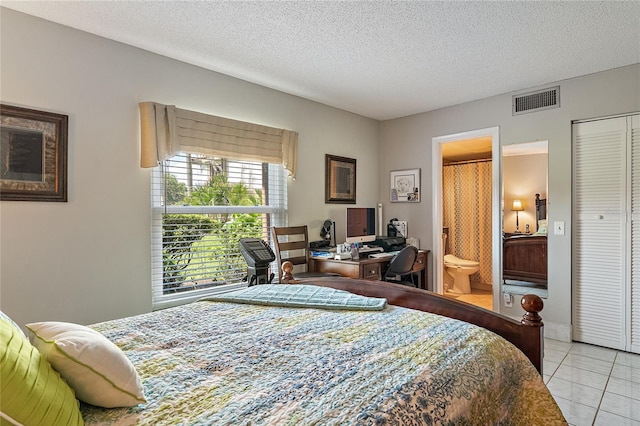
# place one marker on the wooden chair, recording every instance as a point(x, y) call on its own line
point(401, 266)
point(292, 244)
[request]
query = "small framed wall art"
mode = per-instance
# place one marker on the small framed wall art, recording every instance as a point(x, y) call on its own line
point(340, 180)
point(405, 186)
point(33, 155)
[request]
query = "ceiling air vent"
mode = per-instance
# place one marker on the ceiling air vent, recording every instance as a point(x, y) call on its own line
point(536, 101)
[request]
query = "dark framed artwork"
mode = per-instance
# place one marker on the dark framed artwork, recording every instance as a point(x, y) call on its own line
point(340, 180)
point(33, 155)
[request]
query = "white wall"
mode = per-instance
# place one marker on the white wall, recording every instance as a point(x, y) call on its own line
point(87, 260)
point(406, 143)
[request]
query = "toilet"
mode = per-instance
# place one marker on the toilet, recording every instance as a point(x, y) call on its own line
point(459, 270)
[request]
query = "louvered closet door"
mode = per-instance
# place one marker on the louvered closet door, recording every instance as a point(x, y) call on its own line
point(635, 234)
point(599, 290)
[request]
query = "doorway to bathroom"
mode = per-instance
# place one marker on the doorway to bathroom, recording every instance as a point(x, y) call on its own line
point(466, 211)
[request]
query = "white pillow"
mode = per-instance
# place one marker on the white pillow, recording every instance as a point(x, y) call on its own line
point(97, 370)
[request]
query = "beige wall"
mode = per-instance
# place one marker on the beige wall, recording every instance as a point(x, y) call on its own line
point(88, 260)
point(523, 176)
point(606, 93)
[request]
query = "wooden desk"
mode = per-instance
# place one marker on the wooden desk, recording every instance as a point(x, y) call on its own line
point(367, 268)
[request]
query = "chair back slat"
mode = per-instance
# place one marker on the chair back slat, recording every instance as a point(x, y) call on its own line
point(292, 244)
point(295, 245)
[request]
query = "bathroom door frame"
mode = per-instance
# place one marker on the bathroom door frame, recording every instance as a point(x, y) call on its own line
point(496, 207)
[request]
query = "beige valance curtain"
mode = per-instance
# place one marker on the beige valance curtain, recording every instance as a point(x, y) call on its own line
point(167, 130)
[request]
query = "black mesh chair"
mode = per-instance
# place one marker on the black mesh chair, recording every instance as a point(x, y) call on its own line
point(399, 270)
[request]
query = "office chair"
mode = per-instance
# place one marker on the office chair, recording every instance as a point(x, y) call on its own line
point(292, 244)
point(401, 266)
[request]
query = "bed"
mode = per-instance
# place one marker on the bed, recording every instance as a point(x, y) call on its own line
point(313, 353)
point(524, 256)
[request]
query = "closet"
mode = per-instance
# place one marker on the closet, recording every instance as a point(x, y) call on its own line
point(606, 237)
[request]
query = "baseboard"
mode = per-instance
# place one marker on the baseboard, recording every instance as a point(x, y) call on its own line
point(557, 331)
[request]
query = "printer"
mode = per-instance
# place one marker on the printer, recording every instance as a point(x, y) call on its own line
point(389, 243)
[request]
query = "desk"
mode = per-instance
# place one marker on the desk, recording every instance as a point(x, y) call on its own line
point(367, 268)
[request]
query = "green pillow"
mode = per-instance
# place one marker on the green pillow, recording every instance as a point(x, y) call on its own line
point(10, 321)
point(31, 391)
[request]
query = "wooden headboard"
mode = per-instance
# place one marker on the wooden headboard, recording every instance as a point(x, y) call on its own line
point(541, 209)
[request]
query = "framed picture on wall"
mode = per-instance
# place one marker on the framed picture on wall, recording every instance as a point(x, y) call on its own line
point(33, 155)
point(340, 180)
point(405, 186)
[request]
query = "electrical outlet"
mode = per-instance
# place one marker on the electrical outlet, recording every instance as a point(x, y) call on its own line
point(507, 300)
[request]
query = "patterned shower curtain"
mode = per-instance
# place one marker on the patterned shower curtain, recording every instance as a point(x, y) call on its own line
point(467, 213)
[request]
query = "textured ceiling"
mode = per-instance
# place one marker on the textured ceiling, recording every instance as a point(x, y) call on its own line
point(380, 59)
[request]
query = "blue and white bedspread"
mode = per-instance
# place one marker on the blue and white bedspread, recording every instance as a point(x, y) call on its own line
point(224, 363)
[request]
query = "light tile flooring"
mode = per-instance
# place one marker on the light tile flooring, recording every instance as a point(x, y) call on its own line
point(593, 385)
point(482, 298)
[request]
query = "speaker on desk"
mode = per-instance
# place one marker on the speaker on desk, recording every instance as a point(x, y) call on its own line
point(325, 232)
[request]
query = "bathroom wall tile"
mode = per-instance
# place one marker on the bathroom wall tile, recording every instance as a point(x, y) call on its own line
point(604, 418)
point(624, 387)
point(590, 364)
point(576, 392)
point(583, 377)
point(575, 413)
point(620, 405)
point(591, 351)
point(625, 372)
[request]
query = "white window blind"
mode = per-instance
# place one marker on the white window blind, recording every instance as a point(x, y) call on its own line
point(202, 206)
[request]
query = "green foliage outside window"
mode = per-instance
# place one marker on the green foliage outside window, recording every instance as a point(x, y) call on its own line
point(201, 250)
point(175, 190)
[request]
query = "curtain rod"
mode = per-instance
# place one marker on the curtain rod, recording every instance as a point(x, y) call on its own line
point(454, 163)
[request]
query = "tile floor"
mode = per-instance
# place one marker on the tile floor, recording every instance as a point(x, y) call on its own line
point(482, 298)
point(593, 385)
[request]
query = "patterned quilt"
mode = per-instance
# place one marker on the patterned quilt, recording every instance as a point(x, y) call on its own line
point(223, 363)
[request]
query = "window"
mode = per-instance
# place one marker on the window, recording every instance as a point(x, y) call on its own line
point(201, 207)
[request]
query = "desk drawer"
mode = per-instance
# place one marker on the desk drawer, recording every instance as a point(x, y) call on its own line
point(371, 271)
point(421, 262)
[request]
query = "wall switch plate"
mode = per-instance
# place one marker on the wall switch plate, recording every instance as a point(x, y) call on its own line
point(558, 228)
point(507, 300)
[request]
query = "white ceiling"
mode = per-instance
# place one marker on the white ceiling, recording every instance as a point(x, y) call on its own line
point(380, 59)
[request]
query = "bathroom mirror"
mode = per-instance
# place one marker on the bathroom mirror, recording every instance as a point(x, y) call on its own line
point(524, 218)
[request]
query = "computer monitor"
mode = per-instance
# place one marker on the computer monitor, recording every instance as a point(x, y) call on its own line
point(361, 225)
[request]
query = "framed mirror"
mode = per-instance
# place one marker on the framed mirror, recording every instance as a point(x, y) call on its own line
point(524, 218)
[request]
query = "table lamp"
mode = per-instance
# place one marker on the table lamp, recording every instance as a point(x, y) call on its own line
point(517, 207)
